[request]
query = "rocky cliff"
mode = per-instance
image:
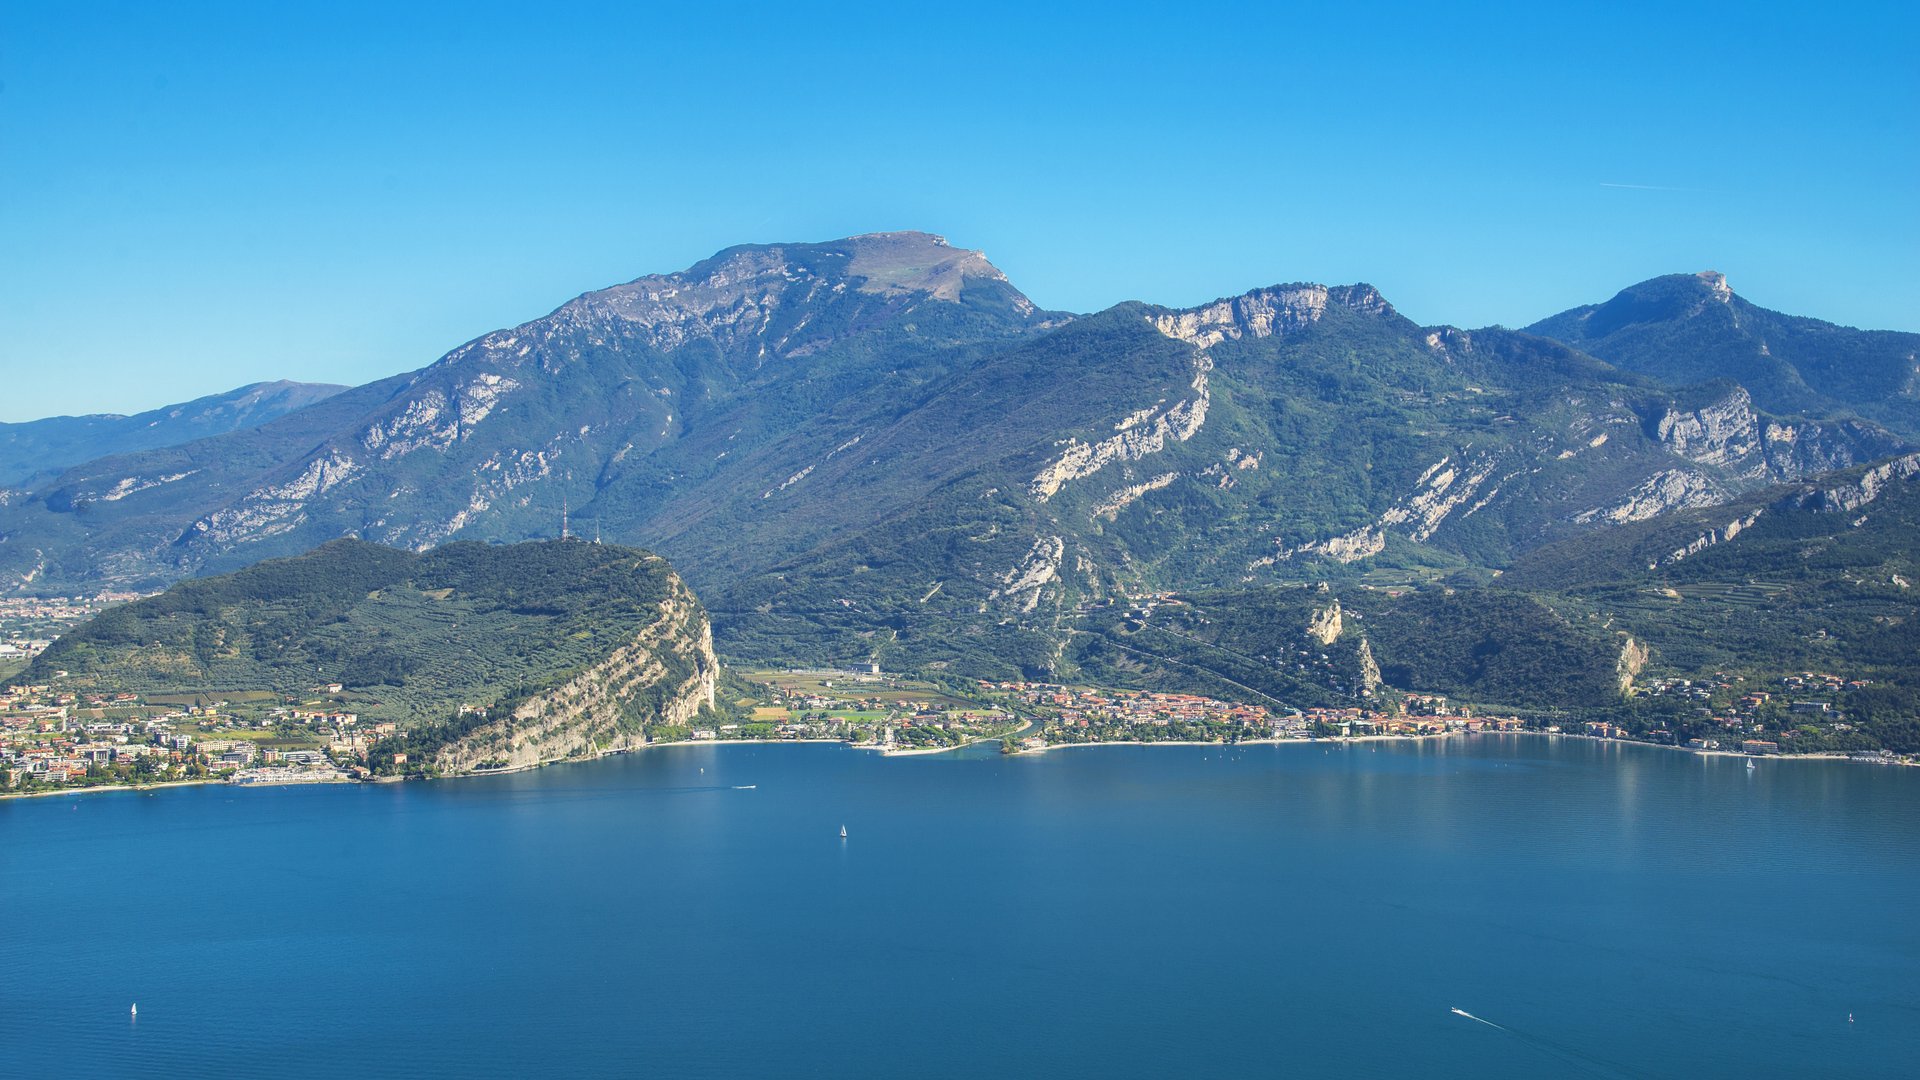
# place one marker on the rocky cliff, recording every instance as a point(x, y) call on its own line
point(1727, 433)
point(480, 655)
point(664, 676)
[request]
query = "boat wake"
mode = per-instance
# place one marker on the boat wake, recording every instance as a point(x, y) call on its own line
point(745, 787)
point(1586, 1063)
point(1470, 1016)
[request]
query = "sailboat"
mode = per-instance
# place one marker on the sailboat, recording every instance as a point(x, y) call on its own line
point(843, 832)
point(135, 1011)
point(1749, 764)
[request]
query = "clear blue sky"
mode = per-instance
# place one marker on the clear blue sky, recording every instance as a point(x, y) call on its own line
point(194, 197)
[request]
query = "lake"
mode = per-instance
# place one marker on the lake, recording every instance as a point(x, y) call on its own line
point(1305, 909)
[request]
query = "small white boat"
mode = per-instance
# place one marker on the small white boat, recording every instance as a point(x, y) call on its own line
point(135, 1011)
point(843, 832)
point(1749, 764)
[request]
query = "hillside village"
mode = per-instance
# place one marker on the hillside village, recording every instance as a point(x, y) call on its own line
point(1792, 713)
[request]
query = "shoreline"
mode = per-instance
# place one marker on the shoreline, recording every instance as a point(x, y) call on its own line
point(93, 789)
point(925, 750)
point(1824, 755)
point(1243, 742)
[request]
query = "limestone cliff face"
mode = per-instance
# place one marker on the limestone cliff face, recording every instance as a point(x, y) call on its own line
point(1724, 433)
point(1282, 310)
point(1729, 434)
point(1369, 670)
point(1326, 624)
point(1632, 660)
point(663, 676)
point(1711, 537)
point(1668, 489)
point(1858, 493)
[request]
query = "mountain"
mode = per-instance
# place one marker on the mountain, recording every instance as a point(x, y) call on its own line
point(1691, 328)
point(41, 448)
point(667, 382)
point(878, 448)
point(1789, 615)
point(495, 655)
point(1328, 645)
point(1818, 576)
point(1294, 433)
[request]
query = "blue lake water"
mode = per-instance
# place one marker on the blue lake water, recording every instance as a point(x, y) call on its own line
point(1114, 911)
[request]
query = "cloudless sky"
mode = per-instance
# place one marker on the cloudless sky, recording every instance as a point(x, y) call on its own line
point(197, 196)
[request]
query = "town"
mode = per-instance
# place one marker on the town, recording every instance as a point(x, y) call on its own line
point(1070, 716)
point(51, 740)
point(867, 708)
point(29, 624)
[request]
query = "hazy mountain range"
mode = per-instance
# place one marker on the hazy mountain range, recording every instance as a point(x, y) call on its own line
point(40, 449)
point(878, 447)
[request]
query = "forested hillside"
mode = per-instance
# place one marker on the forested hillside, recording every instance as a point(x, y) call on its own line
point(436, 642)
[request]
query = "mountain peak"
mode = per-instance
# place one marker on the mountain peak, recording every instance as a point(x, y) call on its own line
point(1671, 297)
point(887, 264)
point(899, 262)
point(1716, 283)
point(1692, 328)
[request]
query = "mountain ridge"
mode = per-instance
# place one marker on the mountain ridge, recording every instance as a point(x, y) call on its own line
point(39, 449)
point(850, 444)
point(1689, 328)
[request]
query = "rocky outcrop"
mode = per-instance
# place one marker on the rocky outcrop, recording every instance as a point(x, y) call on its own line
point(277, 508)
point(1442, 489)
point(1363, 543)
point(1632, 660)
point(665, 675)
point(437, 419)
point(1145, 432)
point(1261, 313)
point(1326, 624)
point(1729, 435)
point(1713, 536)
point(1025, 582)
point(1725, 433)
point(1110, 507)
point(1281, 310)
point(1717, 287)
point(1858, 493)
point(1668, 489)
point(1369, 670)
